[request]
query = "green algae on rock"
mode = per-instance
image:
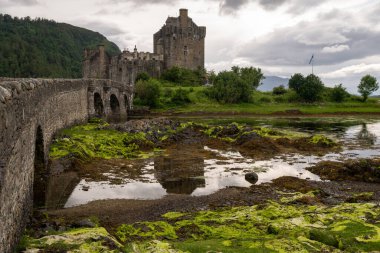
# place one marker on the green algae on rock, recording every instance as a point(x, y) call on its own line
point(97, 139)
point(89, 240)
point(92, 140)
point(274, 227)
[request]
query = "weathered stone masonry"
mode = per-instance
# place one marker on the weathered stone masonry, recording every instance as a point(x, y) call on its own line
point(49, 105)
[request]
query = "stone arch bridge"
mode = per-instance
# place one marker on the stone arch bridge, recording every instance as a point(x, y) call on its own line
point(31, 112)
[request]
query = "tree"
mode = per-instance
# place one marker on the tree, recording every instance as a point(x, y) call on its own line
point(250, 75)
point(296, 82)
point(367, 86)
point(311, 89)
point(147, 92)
point(229, 87)
point(338, 93)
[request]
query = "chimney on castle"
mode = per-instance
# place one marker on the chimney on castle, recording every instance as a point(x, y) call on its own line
point(183, 17)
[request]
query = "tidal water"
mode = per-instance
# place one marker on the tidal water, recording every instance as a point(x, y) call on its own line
point(205, 171)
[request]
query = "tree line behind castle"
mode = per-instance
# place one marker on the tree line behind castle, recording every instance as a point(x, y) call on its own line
point(178, 86)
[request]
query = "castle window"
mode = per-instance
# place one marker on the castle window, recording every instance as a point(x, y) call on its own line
point(120, 69)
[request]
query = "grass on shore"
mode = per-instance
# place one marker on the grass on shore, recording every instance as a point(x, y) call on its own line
point(262, 103)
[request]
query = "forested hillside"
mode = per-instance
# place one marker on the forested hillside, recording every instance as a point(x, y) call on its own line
point(44, 48)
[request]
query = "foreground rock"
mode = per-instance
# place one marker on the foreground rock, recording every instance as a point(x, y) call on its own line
point(365, 170)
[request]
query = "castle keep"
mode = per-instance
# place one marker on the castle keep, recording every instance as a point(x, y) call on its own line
point(180, 42)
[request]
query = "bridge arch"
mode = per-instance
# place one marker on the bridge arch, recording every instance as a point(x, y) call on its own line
point(98, 105)
point(40, 170)
point(114, 104)
point(126, 103)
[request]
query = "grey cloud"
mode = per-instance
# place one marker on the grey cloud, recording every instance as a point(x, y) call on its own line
point(100, 26)
point(373, 15)
point(294, 45)
point(292, 6)
point(9, 3)
point(144, 2)
point(231, 7)
point(299, 6)
point(271, 4)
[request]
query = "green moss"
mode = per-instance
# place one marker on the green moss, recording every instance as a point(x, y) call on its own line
point(363, 196)
point(93, 140)
point(154, 246)
point(270, 227)
point(275, 227)
point(173, 215)
point(145, 231)
point(78, 240)
point(322, 140)
point(296, 197)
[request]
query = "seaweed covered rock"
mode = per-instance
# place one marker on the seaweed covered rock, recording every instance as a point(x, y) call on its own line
point(146, 125)
point(294, 184)
point(76, 240)
point(365, 170)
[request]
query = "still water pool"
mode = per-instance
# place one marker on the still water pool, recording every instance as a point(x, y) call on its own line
point(204, 170)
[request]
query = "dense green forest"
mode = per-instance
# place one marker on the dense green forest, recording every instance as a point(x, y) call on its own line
point(45, 48)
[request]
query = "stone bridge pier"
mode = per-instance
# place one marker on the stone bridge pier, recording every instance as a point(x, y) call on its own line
point(31, 112)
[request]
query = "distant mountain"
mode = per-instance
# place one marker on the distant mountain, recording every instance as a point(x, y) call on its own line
point(273, 81)
point(45, 48)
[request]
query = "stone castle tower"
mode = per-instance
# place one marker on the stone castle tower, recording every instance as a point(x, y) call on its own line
point(180, 42)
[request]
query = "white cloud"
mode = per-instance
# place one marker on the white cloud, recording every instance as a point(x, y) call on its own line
point(358, 69)
point(335, 49)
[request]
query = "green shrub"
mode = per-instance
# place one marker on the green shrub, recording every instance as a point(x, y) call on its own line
point(265, 100)
point(147, 93)
point(167, 92)
point(338, 93)
point(309, 89)
point(142, 76)
point(280, 99)
point(185, 77)
point(279, 90)
point(312, 89)
point(180, 97)
point(291, 97)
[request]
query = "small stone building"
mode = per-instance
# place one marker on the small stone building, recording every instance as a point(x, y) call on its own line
point(180, 42)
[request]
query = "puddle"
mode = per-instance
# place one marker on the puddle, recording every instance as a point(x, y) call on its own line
point(205, 171)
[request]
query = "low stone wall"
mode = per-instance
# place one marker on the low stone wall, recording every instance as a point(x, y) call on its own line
point(48, 104)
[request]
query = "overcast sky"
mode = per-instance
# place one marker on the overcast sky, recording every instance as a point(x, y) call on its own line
point(279, 36)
